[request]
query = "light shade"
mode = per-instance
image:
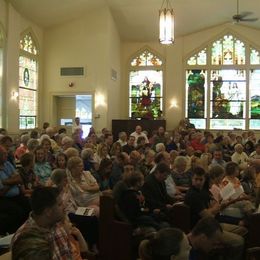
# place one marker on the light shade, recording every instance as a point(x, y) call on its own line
point(166, 24)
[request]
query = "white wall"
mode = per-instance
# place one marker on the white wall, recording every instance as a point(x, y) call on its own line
point(91, 41)
point(114, 86)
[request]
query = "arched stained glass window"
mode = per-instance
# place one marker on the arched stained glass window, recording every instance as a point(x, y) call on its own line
point(219, 94)
point(1, 74)
point(254, 56)
point(28, 44)
point(146, 58)
point(198, 59)
point(28, 81)
point(146, 86)
point(228, 51)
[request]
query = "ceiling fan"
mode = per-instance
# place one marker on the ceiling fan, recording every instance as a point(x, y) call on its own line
point(242, 17)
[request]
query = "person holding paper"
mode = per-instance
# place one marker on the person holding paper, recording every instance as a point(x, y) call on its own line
point(202, 204)
point(232, 190)
point(83, 186)
point(217, 174)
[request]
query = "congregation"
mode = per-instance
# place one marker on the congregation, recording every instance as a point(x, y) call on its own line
point(47, 175)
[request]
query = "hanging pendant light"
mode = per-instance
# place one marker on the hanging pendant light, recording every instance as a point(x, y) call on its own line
point(166, 23)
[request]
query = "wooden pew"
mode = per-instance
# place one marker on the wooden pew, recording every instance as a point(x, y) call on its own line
point(115, 237)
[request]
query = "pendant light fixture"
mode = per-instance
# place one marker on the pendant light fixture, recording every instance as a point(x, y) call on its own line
point(166, 23)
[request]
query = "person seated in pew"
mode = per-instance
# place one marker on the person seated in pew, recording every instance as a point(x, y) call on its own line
point(86, 224)
point(33, 244)
point(132, 205)
point(14, 206)
point(166, 244)
point(202, 205)
point(47, 214)
point(154, 190)
point(181, 178)
point(122, 184)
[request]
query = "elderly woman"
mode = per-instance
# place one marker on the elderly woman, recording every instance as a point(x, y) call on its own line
point(181, 178)
point(87, 156)
point(83, 186)
point(240, 157)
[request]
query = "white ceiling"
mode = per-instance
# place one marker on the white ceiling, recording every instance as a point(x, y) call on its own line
point(137, 20)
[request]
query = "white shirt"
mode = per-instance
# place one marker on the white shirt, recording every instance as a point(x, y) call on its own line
point(136, 135)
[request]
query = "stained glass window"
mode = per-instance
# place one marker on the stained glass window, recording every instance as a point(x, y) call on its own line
point(145, 94)
point(228, 51)
point(27, 44)
point(146, 58)
point(196, 95)
point(231, 84)
point(254, 93)
point(227, 97)
point(1, 76)
point(254, 56)
point(198, 59)
point(28, 83)
point(146, 86)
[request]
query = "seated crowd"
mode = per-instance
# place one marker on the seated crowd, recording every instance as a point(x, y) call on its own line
point(46, 176)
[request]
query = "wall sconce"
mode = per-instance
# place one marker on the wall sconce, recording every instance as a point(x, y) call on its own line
point(14, 95)
point(174, 103)
point(100, 100)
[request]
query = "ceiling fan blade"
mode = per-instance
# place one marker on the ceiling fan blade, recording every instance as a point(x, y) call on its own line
point(243, 14)
point(248, 19)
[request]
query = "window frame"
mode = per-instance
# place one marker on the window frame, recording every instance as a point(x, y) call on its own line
point(35, 58)
point(132, 68)
point(209, 67)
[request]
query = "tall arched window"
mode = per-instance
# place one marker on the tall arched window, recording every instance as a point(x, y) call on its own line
point(28, 81)
point(146, 85)
point(223, 85)
point(1, 73)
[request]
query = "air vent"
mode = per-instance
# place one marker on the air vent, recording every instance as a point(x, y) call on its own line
point(113, 74)
point(72, 71)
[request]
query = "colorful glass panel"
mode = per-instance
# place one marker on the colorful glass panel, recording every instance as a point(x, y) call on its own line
point(254, 93)
point(28, 83)
point(27, 122)
point(228, 94)
point(254, 56)
point(27, 44)
point(28, 74)
point(198, 59)
point(146, 59)
point(228, 51)
point(195, 93)
point(27, 102)
point(227, 124)
point(145, 94)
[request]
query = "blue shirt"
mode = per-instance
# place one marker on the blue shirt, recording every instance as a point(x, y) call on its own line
point(6, 173)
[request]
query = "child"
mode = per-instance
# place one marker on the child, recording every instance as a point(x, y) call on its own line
point(29, 179)
point(42, 168)
point(61, 161)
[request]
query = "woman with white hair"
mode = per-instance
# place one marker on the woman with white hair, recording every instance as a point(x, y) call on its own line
point(83, 186)
point(181, 178)
point(160, 147)
point(240, 157)
point(66, 143)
